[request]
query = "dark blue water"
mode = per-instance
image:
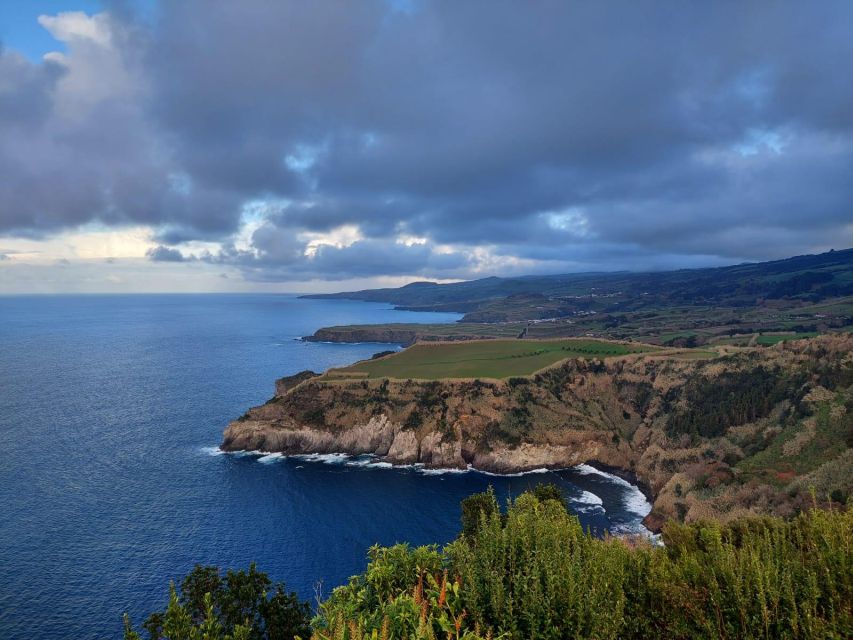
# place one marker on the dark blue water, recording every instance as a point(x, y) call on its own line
point(109, 408)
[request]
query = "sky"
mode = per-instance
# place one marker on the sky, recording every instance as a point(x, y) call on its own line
point(260, 145)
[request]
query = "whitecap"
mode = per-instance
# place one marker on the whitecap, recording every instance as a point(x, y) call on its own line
point(326, 458)
point(633, 499)
point(216, 451)
point(270, 458)
point(589, 498)
point(440, 471)
point(517, 474)
point(212, 451)
point(368, 461)
point(587, 502)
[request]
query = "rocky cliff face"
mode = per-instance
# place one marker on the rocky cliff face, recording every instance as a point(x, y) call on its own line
point(661, 418)
point(407, 334)
point(404, 337)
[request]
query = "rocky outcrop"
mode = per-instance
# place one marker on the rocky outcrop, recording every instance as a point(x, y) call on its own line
point(407, 334)
point(681, 426)
point(285, 384)
point(376, 436)
point(528, 456)
point(404, 337)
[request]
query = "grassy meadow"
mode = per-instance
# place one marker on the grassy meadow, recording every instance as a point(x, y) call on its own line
point(482, 358)
point(769, 339)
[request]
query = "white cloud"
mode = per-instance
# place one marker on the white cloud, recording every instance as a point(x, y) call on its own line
point(77, 26)
point(88, 243)
point(341, 237)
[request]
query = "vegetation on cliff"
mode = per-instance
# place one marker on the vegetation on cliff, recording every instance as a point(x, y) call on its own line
point(746, 432)
point(531, 573)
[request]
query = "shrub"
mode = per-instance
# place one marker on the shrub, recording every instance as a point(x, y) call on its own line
point(533, 573)
point(413, 420)
point(241, 605)
point(476, 509)
point(548, 491)
point(315, 416)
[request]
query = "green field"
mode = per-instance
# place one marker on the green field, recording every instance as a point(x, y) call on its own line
point(666, 337)
point(771, 339)
point(482, 358)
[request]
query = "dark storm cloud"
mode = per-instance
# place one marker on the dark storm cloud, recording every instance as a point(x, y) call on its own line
point(26, 91)
point(555, 136)
point(377, 257)
point(164, 254)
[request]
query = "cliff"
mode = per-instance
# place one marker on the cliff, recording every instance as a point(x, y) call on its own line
point(748, 432)
point(404, 337)
point(409, 333)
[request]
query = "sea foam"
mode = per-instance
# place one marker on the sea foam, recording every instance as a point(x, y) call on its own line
point(633, 499)
point(590, 499)
point(212, 451)
point(325, 458)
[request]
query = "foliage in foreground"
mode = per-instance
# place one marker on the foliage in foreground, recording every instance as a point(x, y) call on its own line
point(241, 605)
point(534, 573)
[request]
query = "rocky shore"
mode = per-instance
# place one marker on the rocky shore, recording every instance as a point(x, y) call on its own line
point(350, 335)
point(391, 441)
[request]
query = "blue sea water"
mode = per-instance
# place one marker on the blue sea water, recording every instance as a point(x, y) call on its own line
point(111, 408)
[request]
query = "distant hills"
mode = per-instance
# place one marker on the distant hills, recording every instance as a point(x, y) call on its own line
point(804, 279)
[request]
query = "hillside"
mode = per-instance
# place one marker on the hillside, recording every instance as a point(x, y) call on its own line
point(744, 304)
point(802, 279)
point(750, 430)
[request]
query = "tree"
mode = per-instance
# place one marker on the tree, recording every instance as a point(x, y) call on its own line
point(549, 491)
point(475, 508)
point(241, 605)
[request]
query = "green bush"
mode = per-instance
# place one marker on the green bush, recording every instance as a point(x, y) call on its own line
point(240, 605)
point(548, 491)
point(477, 509)
point(533, 573)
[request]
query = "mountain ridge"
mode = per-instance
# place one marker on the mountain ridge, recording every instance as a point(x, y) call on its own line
point(830, 274)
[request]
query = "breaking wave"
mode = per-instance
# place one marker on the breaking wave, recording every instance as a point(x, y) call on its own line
point(634, 500)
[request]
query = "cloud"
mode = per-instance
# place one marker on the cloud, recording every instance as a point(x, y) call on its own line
point(164, 254)
point(504, 137)
point(76, 26)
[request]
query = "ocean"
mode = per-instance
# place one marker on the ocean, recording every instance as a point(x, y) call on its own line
point(111, 409)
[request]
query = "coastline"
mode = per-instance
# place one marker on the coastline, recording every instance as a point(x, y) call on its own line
point(368, 460)
point(617, 415)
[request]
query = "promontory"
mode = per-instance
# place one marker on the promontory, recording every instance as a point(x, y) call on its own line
point(708, 433)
